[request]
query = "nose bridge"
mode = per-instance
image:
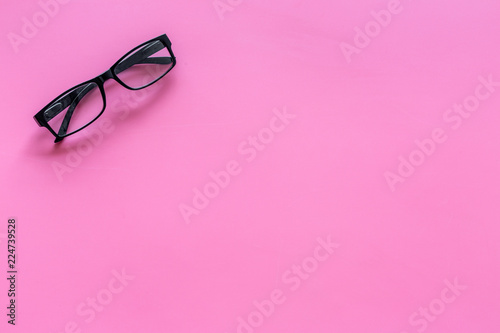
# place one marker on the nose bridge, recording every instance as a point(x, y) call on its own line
point(106, 76)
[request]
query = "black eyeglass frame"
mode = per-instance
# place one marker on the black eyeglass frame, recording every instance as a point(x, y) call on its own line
point(99, 81)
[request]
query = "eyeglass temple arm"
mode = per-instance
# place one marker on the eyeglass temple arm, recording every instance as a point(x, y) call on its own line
point(143, 56)
point(67, 100)
point(67, 117)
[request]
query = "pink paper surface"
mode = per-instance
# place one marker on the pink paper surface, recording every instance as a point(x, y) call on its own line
point(307, 166)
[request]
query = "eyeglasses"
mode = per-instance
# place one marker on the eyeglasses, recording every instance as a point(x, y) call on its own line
point(81, 105)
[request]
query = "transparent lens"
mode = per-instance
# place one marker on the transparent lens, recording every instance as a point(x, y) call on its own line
point(144, 65)
point(75, 109)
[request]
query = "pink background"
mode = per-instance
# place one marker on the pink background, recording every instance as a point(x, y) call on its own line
point(323, 175)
